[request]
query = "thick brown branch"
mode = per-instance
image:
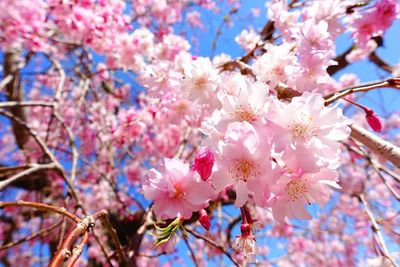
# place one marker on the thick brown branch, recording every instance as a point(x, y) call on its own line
point(379, 146)
point(380, 63)
point(36, 179)
point(77, 250)
point(26, 103)
point(15, 93)
point(64, 252)
point(341, 62)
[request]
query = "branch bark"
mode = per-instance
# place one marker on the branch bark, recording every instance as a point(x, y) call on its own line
point(14, 91)
point(34, 168)
point(376, 144)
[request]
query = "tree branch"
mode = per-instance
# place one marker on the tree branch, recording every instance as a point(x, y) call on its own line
point(31, 237)
point(40, 206)
point(214, 244)
point(12, 65)
point(389, 83)
point(376, 230)
point(379, 146)
point(34, 168)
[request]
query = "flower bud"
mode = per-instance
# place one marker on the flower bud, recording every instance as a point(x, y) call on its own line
point(203, 163)
point(373, 120)
point(204, 219)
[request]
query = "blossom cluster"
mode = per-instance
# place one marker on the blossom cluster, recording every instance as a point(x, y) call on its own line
point(281, 155)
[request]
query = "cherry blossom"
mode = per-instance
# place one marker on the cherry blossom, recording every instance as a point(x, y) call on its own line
point(242, 160)
point(306, 121)
point(294, 191)
point(176, 191)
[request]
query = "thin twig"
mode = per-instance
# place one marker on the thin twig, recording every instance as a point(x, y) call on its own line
point(219, 30)
point(389, 83)
point(34, 168)
point(103, 249)
point(104, 215)
point(26, 103)
point(376, 230)
point(74, 150)
point(42, 232)
point(214, 244)
point(391, 189)
point(191, 252)
point(386, 170)
point(40, 206)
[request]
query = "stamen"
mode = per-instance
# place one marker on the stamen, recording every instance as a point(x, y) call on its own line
point(200, 83)
point(179, 192)
point(303, 126)
point(244, 170)
point(297, 189)
point(245, 113)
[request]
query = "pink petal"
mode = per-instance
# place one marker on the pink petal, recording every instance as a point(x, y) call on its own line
point(242, 194)
point(221, 179)
point(198, 193)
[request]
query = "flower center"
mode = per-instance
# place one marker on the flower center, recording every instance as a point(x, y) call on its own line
point(244, 169)
point(297, 189)
point(179, 192)
point(277, 71)
point(200, 83)
point(245, 113)
point(181, 107)
point(303, 126)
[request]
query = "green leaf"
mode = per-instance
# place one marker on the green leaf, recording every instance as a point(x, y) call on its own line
point(164, 234)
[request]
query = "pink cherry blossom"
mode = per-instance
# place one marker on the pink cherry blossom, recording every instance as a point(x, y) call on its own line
point(242, 160)
point(306, 121)
point(176, 190)
point(375, 21)
point(294, 192)
point(247, 105)
point(272, 66)
point(200, 80)
point(247, 39)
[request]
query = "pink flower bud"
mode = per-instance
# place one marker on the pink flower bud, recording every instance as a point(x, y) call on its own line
point(203, 163)
point(204, 219)
point(373, 120)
